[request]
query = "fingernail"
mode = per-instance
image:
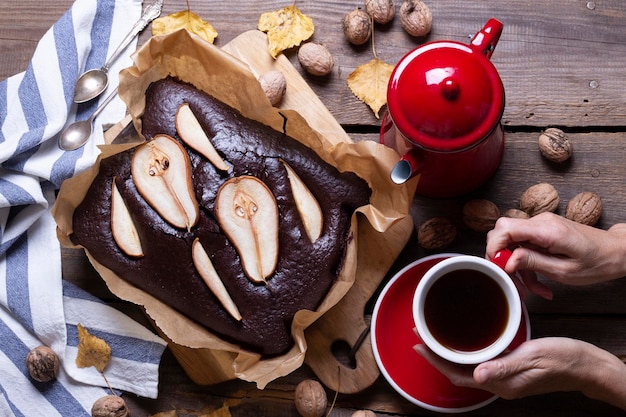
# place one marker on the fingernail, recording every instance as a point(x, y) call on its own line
point(419, 348)
point(548, 294)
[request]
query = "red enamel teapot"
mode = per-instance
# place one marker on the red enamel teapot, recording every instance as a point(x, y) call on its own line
point(445, 101)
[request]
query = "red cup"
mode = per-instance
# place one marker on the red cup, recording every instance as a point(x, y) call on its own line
point(467, 309)
point(393, 338)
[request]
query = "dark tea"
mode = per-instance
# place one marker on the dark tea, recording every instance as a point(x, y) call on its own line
point(465, 310)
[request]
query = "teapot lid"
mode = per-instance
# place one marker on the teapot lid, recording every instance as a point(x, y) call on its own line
point(445, 96)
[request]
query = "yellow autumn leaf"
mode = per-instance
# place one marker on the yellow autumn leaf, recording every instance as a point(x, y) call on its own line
point(369, 83)
point(184, 19)
point(92, 351)
point(286, 28)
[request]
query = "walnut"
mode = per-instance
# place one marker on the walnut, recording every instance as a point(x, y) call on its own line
point(357, 26)
point(436, 233)
point(274, 85)
point(555, 145)
point(382, 11)
point(539, 198)
point(363, 413)
point(42, 364)
point(516, 214)
point(310, 398)
point(585, 208)
point(315, 58)
point(109, 406)
point(480, 215)
point(416, 18)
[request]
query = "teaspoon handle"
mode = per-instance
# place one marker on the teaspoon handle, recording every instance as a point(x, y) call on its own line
point(104, 104)
point(150, 13)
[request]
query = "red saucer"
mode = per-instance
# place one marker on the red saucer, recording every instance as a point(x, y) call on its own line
point(393, 339)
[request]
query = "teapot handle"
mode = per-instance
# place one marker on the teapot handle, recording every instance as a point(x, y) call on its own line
point(485, 41)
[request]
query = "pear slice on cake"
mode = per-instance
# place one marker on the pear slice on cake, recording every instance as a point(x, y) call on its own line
point(207, 271)
point(162, 174)
point(248, 213)
point(191, 132)
point(308, 207)
point(122, 225)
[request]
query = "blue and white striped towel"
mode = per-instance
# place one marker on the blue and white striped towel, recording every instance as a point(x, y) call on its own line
point(36, 305)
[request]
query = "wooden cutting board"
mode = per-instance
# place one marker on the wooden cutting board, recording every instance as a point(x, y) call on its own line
point(251, 48)
point(345, 322)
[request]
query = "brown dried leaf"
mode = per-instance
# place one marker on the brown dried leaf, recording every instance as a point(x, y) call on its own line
point(286, 28)
point(220, 412)
point(92, 351)
point(171, 413)
point(184, 19)
point(369, 83)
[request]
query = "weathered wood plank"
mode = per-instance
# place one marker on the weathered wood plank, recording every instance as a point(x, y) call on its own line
point(22, 24)
point(561, 62)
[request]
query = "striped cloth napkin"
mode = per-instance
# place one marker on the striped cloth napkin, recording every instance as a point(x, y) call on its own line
point(36, 305)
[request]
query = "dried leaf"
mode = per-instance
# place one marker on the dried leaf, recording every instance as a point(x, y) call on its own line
point(184, 19)
point(171, 413)
point(369, 83)
point(220, 412)
point(92, 351)
point(286, 28)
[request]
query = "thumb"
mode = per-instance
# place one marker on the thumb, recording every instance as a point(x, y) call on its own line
point(491, 371)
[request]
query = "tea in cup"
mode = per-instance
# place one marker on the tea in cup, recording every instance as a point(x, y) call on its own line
point(467, 309)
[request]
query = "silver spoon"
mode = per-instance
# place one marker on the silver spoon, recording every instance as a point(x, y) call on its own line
point(78, 133)
point(93, 82)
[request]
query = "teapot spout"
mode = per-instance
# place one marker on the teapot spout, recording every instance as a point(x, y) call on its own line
point(406, 168)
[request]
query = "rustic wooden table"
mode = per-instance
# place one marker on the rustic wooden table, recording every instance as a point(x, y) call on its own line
point(562, 65)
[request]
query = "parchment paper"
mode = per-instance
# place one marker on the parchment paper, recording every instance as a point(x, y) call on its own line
point(214, 71)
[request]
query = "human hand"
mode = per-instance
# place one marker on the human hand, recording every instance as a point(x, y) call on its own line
point(560, 249)
point(541, 366)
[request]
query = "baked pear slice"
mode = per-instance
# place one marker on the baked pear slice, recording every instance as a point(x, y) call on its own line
point(162, 174)
point(308, 206)
point(190, 131)
point(122, 225)
point(207, 271)
point(247, 212)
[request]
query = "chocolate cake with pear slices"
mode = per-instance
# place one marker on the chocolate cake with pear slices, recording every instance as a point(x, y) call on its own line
point(230, 222)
